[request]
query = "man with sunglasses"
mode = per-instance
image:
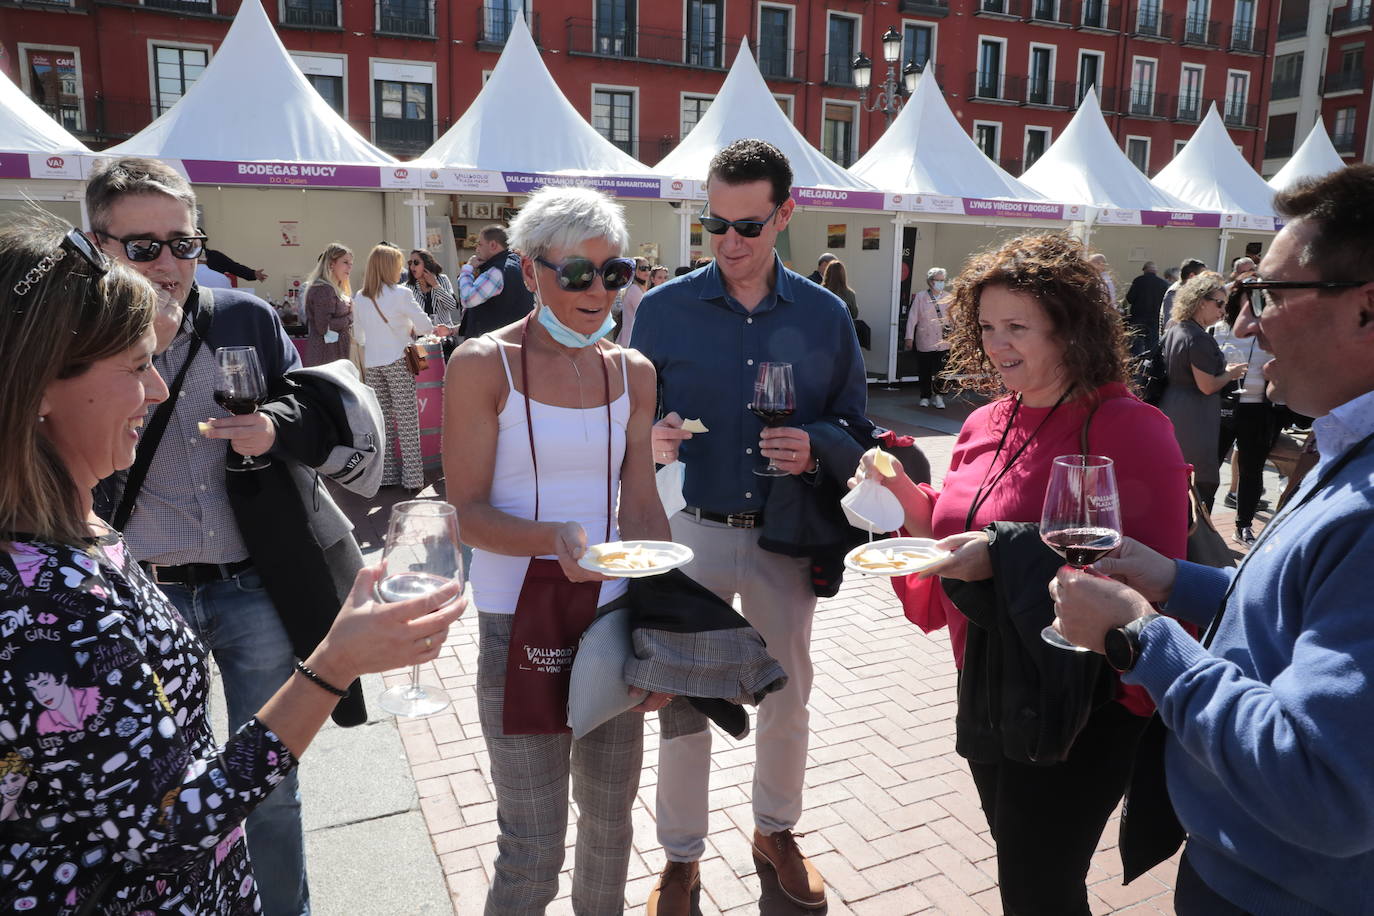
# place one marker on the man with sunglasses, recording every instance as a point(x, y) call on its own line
point(1268, 757)
point(706, 333)
point(257, 562)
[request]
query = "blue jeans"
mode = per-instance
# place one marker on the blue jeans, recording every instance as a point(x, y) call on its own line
point(237, 621)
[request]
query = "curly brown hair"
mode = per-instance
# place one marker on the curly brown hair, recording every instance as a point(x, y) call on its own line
point(1054, 269)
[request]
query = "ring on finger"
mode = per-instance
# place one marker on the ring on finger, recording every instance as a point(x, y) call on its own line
point(429, 642)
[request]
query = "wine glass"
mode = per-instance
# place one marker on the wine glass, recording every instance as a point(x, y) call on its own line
point(421, 556)
point(775, 398)
point(240, 389)
point(1233, 354)
point(1082, 517)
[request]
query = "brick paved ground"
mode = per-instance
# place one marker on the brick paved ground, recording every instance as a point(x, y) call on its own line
point(892, 817)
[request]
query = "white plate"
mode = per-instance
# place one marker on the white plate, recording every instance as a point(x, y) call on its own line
point(923, 546)
point(670, 556)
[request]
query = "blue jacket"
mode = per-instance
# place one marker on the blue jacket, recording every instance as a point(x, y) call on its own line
point(1270, 759)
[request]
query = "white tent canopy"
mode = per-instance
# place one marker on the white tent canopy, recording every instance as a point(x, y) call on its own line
point(521, 121)
point(26, 128)
point(1209, 173)
point(253, 104)
point(926, 151)
point(1085, 166)
point(1315, 158)
point(745, 108)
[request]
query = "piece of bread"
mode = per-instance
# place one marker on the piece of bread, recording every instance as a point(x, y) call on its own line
point(694, 426)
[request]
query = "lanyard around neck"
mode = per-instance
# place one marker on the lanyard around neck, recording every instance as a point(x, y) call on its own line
point(985, 489)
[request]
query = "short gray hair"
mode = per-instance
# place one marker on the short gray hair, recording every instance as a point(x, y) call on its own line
point(930, 274)
point(118, 178)
point(556, 217)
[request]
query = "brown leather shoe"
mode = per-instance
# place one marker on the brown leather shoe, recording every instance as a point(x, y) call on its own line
point(797, 877)
point(672, 896)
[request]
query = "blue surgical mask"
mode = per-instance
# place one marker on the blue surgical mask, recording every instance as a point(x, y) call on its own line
point(564, 334)
point(937, 285)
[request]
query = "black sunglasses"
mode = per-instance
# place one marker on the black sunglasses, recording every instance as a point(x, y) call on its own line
point(74, 241)
point(1256, 288)
point(576, 274)
point(747, 228)
point(142, 250)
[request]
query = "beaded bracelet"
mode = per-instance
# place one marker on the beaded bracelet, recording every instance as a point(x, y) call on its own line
point(319, 681)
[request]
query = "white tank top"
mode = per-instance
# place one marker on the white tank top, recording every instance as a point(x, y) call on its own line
point(571, 444)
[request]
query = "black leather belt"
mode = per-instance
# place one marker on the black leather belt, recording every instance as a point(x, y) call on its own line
point(192, 575)
point(752, 519)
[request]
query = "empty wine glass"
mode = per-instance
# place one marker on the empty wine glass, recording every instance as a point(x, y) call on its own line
point(1082, 517)
point(421, 556)
point(774, 401)
point(1234, 354)
point(240, 388)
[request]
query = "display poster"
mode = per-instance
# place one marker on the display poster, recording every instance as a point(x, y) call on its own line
point(835, 235)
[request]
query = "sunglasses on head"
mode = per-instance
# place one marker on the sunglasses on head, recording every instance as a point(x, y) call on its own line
point(576, 273)
point(747, 228)
point(185, 248)
point(74, 241)
point(1256, 288)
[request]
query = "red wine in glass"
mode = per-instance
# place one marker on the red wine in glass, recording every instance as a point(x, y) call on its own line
point(1081, 520)
point(775, 399)
point(240, 388)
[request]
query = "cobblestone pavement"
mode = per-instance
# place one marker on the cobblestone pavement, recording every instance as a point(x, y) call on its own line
point(892, 818)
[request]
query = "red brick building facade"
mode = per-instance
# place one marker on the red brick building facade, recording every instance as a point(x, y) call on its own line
point(643, 71)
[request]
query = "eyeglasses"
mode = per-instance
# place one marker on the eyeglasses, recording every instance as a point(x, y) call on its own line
point(1256, 289)
point(575, 274)
point(143, 250)
point(75, 241)
point(638, 269)
point(747, 228)
point(415, 263)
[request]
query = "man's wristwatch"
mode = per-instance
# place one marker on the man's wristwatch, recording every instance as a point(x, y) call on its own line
point(1122, 645)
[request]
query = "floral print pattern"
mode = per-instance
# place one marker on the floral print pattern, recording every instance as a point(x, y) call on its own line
point(110, 781)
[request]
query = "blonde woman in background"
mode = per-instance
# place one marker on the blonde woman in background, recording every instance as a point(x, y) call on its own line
point(329, 306)
point(387, 319)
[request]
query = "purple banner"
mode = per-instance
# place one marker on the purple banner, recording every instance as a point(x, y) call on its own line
point(14, 165)
point(832, 197)
point(288, 174)
point(524, 182)
point(1012, 209)
point(1180, 218)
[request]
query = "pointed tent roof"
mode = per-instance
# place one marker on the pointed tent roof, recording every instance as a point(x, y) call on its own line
point(252, 103)
point(1211, 174)
point(745, 108)
point(548, 135)
point(1085, 166)
point(925, 151)
point(26, 128)
point(1316, 157)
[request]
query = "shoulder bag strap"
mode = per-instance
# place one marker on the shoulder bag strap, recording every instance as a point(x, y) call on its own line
point(152, 436)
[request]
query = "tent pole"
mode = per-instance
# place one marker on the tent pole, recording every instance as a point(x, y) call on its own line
point(418, 203)
point(1222, 238)
point(684, 235)
point(895, 312)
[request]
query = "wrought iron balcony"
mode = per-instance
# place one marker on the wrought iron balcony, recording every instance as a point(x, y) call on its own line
point(403, 137)
point(406, 17)
point(1343, 81)
point(1351, 16)
point(670, 46)
point(1344, 142)
point(932, 8)
point(1011, 9)
point(837, 69)
point(1150, 22)
point(1189, 108)
point(1278, 147)
point(180, 6)
point(1285, 89)
point(989, 86)
point(320, 14)
point(1050, 12)
point(1145, 103)
point(1236, 113)
point(1199, 31)
point(1248, 39)
point(1098, 14)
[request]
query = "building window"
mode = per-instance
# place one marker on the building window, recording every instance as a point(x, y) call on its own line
point(1237, 94)
point(1044, 10)
point(1040, 86)
point(405, 119)
point(1243, 31)
point(989, 69)
point(987, 137)
point(1278, 138)
point(330, 89)
point(1147, 17)
point(703, 33)
point(615, 27)
point(693, 108)
point(1095, 14)
point(1142, 87)
point(499, 15)
point(841, 49)
point(1195, 21)
point(52, 77)
point(1352, 59)
point(1190, 93)
point(174, 72)
point(918, 44)
point(405, 17)
point(326, 74)
point(775, 36)
point(785, 105)
point(1287, 76)
point(838, 134)
point(1343, 131)
point(1138, 151)
point(1089, 73)
point(613, 116)
point(315, 13)
point(1037, 141)
point(1179, 145)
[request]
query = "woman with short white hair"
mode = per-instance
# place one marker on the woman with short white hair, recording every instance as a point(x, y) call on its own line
point(554, 451)
point(927, 325)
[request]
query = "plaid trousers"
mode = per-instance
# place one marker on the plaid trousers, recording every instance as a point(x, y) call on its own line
point(531, 776)
point(395, 388)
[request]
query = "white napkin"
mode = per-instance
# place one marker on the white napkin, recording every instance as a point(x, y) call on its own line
point(669, 479)
point(872, 507)
point(331, 336)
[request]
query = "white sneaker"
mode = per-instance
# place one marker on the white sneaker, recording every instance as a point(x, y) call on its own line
point(925, 402)
point(939, 402)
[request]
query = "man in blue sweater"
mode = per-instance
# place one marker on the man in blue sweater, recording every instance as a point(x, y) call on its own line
point(1270, 760)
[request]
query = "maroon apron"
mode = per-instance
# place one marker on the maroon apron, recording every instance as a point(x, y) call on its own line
point(551, 614)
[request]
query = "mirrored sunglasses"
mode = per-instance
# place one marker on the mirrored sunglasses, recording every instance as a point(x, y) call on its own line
point(576, 274)
point(747, 228)
point(186, 248)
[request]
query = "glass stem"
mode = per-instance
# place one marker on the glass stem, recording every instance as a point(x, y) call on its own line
point(415, 680)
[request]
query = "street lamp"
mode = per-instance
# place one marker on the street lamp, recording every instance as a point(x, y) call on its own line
point(890, 93)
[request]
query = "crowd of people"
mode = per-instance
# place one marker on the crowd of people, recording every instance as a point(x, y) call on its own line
point(131, 553)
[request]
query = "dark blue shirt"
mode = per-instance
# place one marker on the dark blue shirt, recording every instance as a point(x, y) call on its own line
point(707, 347)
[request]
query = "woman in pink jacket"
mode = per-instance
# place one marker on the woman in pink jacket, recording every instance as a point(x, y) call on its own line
point(926, 326)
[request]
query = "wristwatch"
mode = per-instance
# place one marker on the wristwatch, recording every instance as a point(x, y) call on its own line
point(1122, 645)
